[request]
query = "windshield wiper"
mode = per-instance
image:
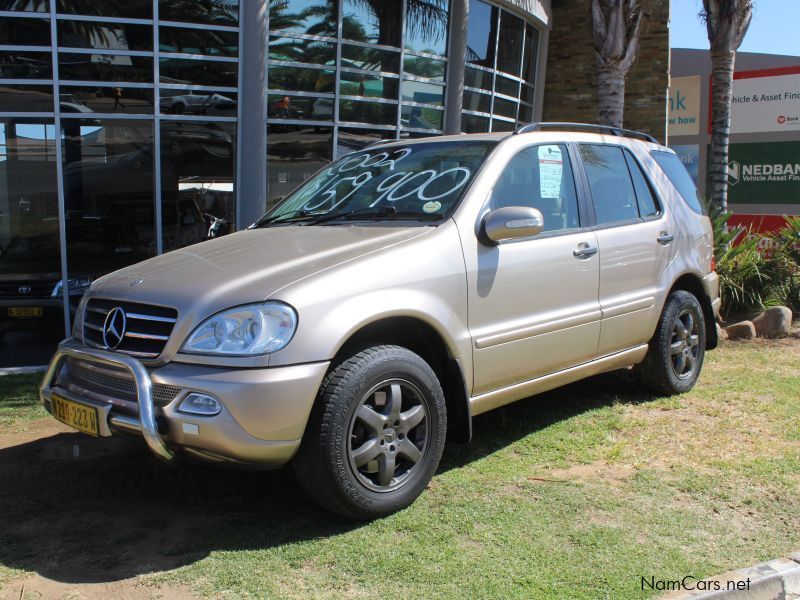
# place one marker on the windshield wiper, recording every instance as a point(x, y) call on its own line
point(366, 213)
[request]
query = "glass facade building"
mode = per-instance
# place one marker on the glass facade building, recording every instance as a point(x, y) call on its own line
point(129, 129)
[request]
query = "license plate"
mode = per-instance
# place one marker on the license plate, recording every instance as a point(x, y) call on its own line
point(26, 312)
point(79, 416)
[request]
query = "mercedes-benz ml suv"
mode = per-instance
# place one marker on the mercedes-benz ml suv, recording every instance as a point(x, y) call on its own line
point(389, 299)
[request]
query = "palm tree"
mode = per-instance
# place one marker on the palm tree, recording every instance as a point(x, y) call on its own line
point(727, 22)
point(617, 26)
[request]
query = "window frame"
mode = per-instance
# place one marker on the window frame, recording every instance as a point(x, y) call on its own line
point(584, 216)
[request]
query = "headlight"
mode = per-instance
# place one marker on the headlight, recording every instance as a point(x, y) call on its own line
point(73, 286)
point(246, 330)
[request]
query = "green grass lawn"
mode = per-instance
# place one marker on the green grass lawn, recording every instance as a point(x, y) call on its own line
point(576, 493)
point(19, 401)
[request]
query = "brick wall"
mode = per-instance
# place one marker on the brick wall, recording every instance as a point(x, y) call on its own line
point(570, 92)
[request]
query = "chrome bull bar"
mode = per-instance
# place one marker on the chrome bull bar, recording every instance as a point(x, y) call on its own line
point(146, 424)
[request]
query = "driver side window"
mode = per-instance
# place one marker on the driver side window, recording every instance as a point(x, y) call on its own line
point(540, 177)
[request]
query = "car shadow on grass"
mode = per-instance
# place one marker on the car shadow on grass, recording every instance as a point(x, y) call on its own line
point(81, 510)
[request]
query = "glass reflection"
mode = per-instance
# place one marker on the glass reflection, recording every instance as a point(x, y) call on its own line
point(30, 259)
point(360, 84)
point(531, 48)
point(26, 98)
point(477, 102)
point(129, 9)
point(104, 36)
point(24, 32)
point(474, 124)
point(301, 80)
point(25, 5)
point(76, 99)
point(478, 79)
point(311, 52)
point(213, 12)
point(293, 155)
point(372, 59)
point(198, 41)
point(309, 108)
point(105, 67)
point(312, 17)
point(509, 52)
point(374, 21)
point(197, 174)
point(352, 138)
point(373, 113)
point(108, 195)
point(198, 72)
point(426, 26)
point(481, 33)
point(26, 65)
point(424, 67)
point(197, 102)
point(420, 117)
point(425, 93)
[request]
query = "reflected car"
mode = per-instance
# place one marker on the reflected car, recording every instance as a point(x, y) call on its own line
point(196, 103)
point(30, 268)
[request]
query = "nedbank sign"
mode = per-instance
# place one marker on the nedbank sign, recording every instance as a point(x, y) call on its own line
point(765, 173)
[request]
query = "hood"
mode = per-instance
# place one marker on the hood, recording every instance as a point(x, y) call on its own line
point(248, 266)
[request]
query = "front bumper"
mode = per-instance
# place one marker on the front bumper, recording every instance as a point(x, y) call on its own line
point(263, 415)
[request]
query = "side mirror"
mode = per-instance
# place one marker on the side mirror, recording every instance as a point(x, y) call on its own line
point(511, 222)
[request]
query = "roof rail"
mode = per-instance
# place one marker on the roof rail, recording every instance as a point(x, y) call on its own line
point(618, 131)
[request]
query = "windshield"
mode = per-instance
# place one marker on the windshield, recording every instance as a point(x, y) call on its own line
point(419, 182)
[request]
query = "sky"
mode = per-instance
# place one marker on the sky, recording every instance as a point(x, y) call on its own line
point(772, 31)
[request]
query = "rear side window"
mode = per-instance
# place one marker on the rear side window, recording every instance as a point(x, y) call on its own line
point(648, 205)
point(679, 176)
point(613, 195)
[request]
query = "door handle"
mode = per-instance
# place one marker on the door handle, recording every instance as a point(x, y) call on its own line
point(584, 250)
point(665, 238)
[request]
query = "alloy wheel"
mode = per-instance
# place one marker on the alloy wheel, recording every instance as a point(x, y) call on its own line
point(389, 435)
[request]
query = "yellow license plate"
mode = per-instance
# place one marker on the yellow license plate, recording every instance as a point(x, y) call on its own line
point(79, 416)
point(28, 311)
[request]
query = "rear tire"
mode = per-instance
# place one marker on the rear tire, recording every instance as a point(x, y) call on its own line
point(375, 435)
point(675, 357)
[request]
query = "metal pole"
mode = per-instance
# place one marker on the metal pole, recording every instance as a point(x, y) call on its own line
point(252, 122)
point(456, 55)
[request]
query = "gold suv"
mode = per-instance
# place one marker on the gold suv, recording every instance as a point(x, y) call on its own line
point(393, 296)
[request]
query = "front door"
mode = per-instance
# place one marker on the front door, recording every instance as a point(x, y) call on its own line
point(533, 302)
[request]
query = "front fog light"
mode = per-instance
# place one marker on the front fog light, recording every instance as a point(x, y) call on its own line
point(200, 404)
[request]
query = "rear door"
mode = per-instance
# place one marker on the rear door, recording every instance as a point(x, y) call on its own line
point(533, 305)
point(635, 237)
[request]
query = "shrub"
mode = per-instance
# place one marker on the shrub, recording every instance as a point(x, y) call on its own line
point(783, 269)
point(743, 278)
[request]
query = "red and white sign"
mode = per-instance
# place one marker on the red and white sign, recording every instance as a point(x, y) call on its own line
point(766, 100)
point(758, 225)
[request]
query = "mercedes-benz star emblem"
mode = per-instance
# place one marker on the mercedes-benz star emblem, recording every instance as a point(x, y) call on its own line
point(114, 328)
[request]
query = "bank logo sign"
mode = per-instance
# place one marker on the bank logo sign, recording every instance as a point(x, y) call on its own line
point(684, 106)
point(764, 173)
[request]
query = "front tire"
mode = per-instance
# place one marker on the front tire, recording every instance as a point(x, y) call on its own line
point(677, 349)
point(375, 435)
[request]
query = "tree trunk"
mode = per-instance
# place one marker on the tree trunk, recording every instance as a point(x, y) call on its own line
point(721, 92)
point(610, 94)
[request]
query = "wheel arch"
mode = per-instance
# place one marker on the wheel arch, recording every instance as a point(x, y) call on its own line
point(689, 282)
point(422, 339)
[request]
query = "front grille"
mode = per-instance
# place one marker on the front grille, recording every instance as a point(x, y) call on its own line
point(109, 383)
point(27, 289)
point(147, 327)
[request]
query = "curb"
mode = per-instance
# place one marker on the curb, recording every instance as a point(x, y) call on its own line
point(777, 579)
